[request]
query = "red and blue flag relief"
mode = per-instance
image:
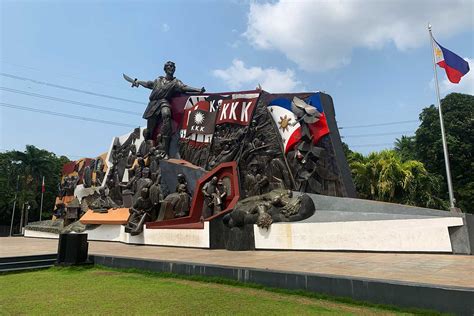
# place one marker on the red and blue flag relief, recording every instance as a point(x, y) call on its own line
point(289, 125)
point(454, 65)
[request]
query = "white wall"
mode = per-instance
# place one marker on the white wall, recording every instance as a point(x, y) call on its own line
point(418, 235)
point(410, 235)
point(195, 238)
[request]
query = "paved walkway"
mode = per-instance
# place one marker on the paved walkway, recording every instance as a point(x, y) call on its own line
point(437, 269)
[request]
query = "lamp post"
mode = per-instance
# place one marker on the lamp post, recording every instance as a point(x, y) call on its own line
point(14, 204)
point(15, 162)
point(28, 206)
point(22, 216)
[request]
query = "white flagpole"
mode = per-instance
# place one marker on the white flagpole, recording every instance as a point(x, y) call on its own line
point(41, 207)
point(443, 136)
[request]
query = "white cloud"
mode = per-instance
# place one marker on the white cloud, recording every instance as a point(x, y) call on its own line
point(320, 35)
point(239, 76)
point(466, 85)
point(234, 44)
point(165, 27)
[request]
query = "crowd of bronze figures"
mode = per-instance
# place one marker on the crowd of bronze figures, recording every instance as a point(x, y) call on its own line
point(267, 173)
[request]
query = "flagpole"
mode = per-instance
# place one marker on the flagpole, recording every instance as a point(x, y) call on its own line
point(42, 192)
point(443, 136)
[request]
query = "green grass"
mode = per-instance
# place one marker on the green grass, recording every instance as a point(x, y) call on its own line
point(104, 291)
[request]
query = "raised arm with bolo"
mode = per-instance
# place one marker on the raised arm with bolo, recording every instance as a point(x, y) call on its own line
point(163, 89)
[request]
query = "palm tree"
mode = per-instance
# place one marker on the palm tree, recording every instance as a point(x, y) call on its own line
point(384, 176)
point(405, 146)
point(35, 163)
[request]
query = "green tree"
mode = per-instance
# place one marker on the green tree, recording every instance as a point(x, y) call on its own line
point(406, 147)
point(384, 176)
point(29, 166)
point(35, 164)
point(458, 119)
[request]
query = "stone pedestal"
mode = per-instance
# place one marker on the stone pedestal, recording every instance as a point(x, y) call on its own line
point(72, 249)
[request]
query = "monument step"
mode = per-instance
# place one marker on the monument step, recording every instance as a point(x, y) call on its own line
point(28, 258)
point(27, 262)
point(26, 268)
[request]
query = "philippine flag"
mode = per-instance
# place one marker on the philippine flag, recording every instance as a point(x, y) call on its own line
point(454, 65)
point(286, 121)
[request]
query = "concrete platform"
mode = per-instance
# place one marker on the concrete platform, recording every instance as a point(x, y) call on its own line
point(435, 269)
point(118, 216)
point(395, 235)
point(197, 237)
point(339, 224)
point(434, 281)
point(416, 268)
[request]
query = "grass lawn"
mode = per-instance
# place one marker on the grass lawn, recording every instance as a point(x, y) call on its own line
point(101, 291)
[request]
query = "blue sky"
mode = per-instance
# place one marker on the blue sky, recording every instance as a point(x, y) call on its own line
point(373, 58)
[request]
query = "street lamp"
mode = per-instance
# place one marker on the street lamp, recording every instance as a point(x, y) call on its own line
point(28, 206)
